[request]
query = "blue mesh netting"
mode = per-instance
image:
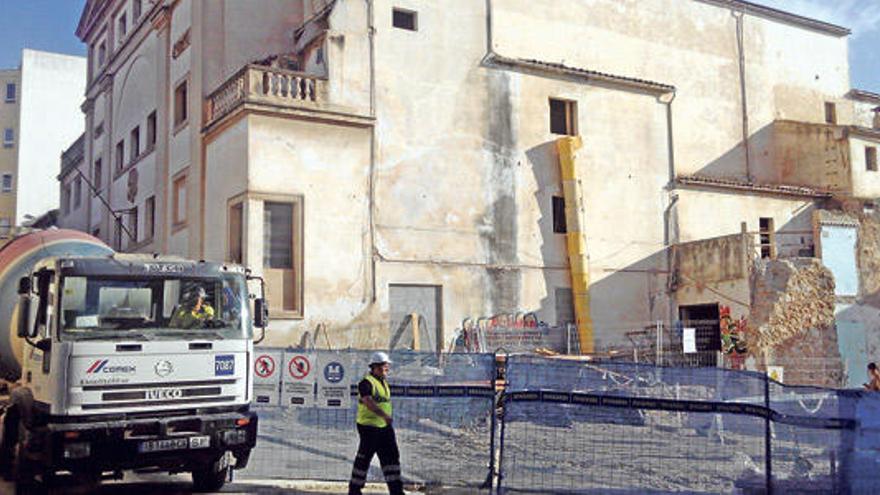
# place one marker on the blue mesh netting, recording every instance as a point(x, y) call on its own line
point(597, 427)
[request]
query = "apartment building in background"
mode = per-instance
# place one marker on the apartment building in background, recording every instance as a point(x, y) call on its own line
point(374, 159)
point(39, 117)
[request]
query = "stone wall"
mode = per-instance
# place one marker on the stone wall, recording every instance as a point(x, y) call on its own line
point(792, 321)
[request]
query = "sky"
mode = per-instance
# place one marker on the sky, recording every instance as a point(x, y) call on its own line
point(49, 25)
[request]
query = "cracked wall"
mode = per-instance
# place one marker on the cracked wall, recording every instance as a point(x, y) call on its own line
point(792, 321)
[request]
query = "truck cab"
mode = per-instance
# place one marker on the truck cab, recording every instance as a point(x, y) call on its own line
point(134, 362)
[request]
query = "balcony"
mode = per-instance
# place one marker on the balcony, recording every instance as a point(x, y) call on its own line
point(266, 88)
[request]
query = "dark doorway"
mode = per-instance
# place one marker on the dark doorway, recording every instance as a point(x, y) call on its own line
point(705, 320)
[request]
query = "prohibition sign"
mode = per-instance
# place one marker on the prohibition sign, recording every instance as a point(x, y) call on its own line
point(299, 367)
point(264, 366)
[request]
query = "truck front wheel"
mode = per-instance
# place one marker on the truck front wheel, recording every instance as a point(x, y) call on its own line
point(207, 479)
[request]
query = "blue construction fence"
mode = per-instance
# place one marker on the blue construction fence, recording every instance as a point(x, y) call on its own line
point(567, 426)
point(443, 416)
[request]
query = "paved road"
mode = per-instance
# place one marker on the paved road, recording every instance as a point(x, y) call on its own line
point(180, 484)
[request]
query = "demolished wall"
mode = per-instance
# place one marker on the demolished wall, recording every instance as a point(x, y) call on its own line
point(792, 321)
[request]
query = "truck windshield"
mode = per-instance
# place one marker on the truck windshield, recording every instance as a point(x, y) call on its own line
point(154, 308)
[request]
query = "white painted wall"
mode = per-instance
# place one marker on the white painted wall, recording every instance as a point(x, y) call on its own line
point(52, 88)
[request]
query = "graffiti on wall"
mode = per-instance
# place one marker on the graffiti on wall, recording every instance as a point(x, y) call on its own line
point(733, 338)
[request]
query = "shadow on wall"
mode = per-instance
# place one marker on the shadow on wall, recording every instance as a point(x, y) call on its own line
point(622, 298)
point(786, 153)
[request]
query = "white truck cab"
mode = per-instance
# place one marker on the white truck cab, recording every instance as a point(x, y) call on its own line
point(133, 362)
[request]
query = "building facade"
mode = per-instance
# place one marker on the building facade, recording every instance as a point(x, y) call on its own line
point(375, 159)
point(40, 116)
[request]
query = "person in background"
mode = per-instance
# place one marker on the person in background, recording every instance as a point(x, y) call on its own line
point(873, 378)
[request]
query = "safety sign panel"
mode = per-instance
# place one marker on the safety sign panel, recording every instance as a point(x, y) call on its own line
point(334, 380)
point(298, 387)
point(267, 377)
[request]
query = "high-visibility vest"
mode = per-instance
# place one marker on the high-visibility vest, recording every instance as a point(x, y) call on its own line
point(381, 395)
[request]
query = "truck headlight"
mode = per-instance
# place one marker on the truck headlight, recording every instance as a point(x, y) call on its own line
point(234, 437)
point(77, 450)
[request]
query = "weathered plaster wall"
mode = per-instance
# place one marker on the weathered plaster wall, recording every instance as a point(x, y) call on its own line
point(866, 183)
point(243, 31)
point(693, 46)
point(864, 114)
point(714, 271)
point(805, 154)
point(704, 213)
point(328, 167)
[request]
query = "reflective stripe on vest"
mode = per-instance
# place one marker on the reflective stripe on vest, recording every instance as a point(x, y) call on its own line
point(381, 394)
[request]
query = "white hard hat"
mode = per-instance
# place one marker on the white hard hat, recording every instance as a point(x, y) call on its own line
point(379, 358)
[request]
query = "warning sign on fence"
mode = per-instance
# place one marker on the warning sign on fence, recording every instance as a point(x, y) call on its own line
point(334, 381)
point(267, 378)
point(298, 389)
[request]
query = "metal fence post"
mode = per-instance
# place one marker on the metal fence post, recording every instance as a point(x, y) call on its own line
point(498, 489)
point(490, 482)
point(768, 449)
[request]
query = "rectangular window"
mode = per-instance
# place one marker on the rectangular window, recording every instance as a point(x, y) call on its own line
point(133, 226)
point(559, 225)
point(150, 217)
point(136, 6)
point(8, 138)
point(96, 175)
point(5, 227)
point(767, 237)
point(7, 183)
point(180, 103)
point(65, 199)
point(77, 192)
point(117, 234)
point(123, 26)
point(120, 155)
point(405, 19)
point(151, 130)
point(278, 255)
point(830, 113)
point(102, 53)
point(236, 233)
point(563, 117)
point(179, 200)
point(10, 92)
point(134, 144)
point(871, 158)
point(99, 129)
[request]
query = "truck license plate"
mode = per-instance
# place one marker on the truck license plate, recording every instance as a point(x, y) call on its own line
point(199, 442)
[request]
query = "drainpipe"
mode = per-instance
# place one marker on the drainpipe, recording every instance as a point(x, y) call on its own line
point(739, 15)
point(670, 220)
point(576, 240)
point(371, 32)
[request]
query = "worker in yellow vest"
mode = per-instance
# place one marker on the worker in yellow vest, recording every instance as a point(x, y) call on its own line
point(375, 430)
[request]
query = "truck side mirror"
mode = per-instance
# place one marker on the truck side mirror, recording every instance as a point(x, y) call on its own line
point(25, 329)
point(24, 286)
point(261, 313)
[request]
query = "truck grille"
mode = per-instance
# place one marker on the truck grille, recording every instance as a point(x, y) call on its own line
point(158, 394)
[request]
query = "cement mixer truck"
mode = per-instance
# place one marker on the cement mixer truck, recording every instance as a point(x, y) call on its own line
point(123, 362)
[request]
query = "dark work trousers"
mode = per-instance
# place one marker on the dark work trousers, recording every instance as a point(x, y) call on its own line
point(376, 441)
point(10, 437)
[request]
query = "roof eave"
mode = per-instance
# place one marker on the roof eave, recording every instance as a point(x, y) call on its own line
point(781, 15)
